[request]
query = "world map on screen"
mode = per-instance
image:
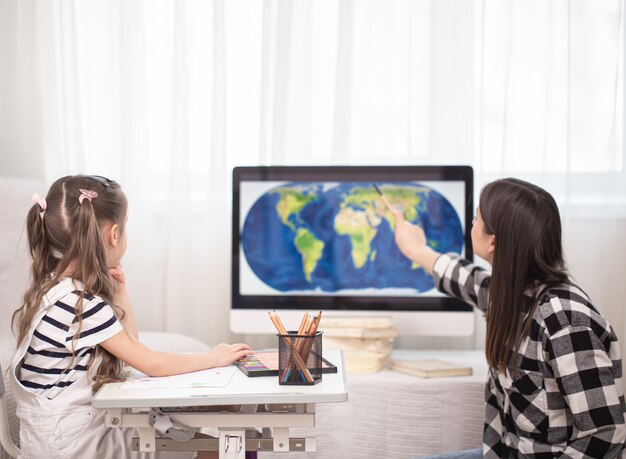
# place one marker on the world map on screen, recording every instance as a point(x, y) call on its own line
point(329, 237)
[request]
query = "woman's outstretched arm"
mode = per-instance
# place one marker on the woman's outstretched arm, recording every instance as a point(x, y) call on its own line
point(411, 240)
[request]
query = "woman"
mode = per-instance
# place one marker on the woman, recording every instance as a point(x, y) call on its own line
point(555, 371)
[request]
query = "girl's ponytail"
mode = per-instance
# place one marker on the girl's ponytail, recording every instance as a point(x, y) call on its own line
point(43, 263)
point(87, 247)
point(37, 243)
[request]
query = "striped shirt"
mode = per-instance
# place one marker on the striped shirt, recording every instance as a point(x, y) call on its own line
point(59, 351)
point(567, 399)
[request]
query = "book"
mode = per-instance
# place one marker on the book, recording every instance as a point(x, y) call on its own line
point(429, 368)
point(364, 362)
point(356, 322)
point(356, 332)
point(382, 346)
point(266, 364)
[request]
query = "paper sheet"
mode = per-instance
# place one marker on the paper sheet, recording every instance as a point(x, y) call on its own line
point(214, 377)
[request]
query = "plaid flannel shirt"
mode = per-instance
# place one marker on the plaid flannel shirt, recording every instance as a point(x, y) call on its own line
point(567, 400)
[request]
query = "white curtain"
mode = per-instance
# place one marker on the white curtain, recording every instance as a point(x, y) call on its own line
point(550, 109)
point(166, 96)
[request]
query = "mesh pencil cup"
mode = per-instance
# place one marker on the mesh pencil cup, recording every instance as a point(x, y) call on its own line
point(299, 359)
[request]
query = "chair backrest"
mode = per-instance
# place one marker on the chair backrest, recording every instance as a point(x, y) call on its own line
point(15, 200)
point(5, 432)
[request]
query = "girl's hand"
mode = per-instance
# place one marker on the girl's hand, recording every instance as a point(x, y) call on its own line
point(117, 273)
point(154, 363)
point(122, 299)
point(224, 354)
point(120, 293)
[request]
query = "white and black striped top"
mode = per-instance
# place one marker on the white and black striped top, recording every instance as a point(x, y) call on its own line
point(54, 359)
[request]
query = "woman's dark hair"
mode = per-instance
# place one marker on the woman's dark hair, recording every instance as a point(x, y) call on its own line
point(525, 222)
point(68, 233)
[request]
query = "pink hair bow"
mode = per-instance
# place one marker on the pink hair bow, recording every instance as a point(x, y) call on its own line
point(86, 194)
point(40, 201)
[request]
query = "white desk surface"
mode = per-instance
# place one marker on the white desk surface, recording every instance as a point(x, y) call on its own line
point(241, 390)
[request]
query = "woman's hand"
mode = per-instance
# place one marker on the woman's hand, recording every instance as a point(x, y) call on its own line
point(224, 354)
point(411, 240)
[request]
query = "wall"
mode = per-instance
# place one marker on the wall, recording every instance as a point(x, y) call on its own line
point(21, 144)
point(596, 252)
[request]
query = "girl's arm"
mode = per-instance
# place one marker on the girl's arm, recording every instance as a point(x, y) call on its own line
point(153, 363)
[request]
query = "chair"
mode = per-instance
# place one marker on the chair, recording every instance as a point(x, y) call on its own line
point(15, 200)
point(5, 432)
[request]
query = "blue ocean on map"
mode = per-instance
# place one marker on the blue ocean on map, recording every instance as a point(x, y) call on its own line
point(329, 237)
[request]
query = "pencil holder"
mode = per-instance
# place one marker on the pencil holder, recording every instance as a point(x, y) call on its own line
point(299, 359)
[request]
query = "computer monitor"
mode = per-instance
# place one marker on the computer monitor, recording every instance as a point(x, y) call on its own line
point(321, 238)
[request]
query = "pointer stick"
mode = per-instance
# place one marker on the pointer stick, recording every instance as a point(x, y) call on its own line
point(384, 199)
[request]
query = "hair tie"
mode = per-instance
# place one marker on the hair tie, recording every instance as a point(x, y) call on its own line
point(89, 194)
point(40, 201)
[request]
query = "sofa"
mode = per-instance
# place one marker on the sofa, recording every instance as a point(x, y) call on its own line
point(15, 200)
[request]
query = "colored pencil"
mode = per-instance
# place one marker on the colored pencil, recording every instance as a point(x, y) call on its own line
point(305, 350)
point(299, 363)
point(301, 329)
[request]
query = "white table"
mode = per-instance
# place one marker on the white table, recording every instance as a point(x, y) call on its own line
point(245, 403)
point(395, 415)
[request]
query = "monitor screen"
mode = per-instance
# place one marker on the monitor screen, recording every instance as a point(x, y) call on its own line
point(321, 238)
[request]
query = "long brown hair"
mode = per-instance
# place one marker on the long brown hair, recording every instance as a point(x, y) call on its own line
point(526, 225)
point(69, 233)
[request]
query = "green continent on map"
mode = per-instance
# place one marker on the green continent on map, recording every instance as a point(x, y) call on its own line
point(361, 211)
point(410, 199)
point(310, 249)
point(356, 224)
point(291, 202)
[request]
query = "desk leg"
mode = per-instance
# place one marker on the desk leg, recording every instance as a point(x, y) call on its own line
point(147, 439)
point(232, 444)
point(281, 439)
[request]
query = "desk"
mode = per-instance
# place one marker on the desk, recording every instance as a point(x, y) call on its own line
point(245, 403)
point(394, 415)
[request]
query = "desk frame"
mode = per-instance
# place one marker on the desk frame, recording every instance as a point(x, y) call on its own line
point(232, 427)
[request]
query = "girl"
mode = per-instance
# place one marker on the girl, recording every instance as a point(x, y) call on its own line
point(555, 378)
point(76, 327)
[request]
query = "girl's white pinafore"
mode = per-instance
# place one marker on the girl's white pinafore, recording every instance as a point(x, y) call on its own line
point(66, 426)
